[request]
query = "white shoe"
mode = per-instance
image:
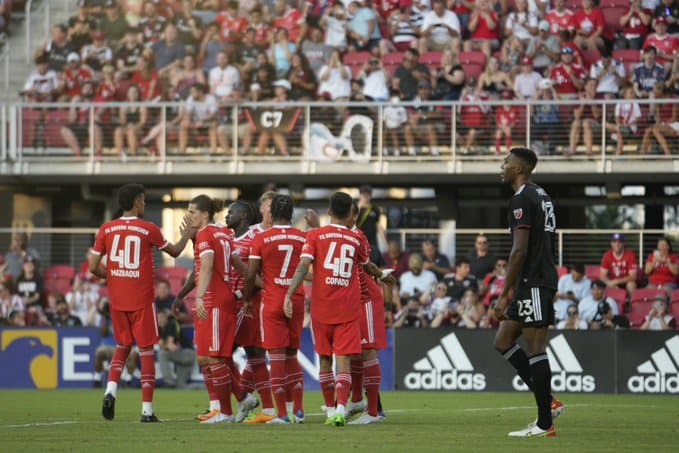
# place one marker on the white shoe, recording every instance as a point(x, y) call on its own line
point(365, 419)
point(356, 408)
point(534, 431)
point(246, 406)
point(278, 421)
point(218, 418)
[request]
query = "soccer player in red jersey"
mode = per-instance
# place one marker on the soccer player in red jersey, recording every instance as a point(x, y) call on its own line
point(128, 241)
point(255, 374)
point(215, 306)
point(276, 253)
point(265, 211)
point(336, 298)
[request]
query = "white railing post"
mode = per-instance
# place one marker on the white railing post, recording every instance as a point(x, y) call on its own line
point(234, 140)
point(12, 132)
point(560, 237)
point(529, 113)
point(27, 11)
point(307, 131)
point(3, 132)
point(48, 17)
point(6, 57)
point(162, 152)
point(453, 133)
point(91, 130)
point(603, 136)
point(641, 251)
point(380, 135)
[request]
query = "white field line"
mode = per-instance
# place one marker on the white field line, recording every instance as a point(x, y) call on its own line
point(31, 425)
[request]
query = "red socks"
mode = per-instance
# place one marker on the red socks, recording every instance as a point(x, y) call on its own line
point(278, 381)
point(115, 368)
point(260, 374)
point(207, 376)
point(247, 382)
point(295, 382)
point(148, 375)
point(221, 382)
point(373, 379)
point(327, 382)
point(236, 389)
point(356, 379)
point(343, 387)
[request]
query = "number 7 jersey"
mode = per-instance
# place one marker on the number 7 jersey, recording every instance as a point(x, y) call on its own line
point(337, 253)
point(129, 242)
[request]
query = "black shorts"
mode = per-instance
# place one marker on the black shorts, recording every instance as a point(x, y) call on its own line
point(532, 307)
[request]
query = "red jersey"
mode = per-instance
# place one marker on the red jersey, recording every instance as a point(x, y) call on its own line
point(278, 249)
point(667, 45)
point(241, 247)
point(262, 34)
point(483, 31)
point(562, 80)
point(218, 240)
point(473, 112)
point(362, 274)
point(558, 21)
point(105, 92)
point(635, 28)
point(386, 7)
point(337, 253)
point(145, 84)
point(495, 286)
point(661, 274)
point(74, 79)
point(292, 21)
point(228, 24)
point(129, 242)
point(588, 23)
point(619, 267)
point(504, 117)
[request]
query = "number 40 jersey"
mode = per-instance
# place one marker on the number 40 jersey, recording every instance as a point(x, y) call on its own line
point(129, 242)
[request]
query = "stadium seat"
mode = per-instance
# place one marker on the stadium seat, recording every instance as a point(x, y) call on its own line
point(590, 57)
point(612, 15)
point(620, 297)
point(29, 121)
point(561, 270)
point(431, 59)
point(56, 119)
point(391, 61)
point(472, 62)
point(592, 271)
point(645, 294)
point(58, 279)
point(628, 57)
point(356, 60)
point(176, 276)
point(614, 4)
point(637, 312)
point(674, 298)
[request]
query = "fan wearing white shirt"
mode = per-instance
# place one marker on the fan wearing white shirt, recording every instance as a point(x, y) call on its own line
point(200, 115)
point(609, 74)
point(224, 79)
point(440, 29)
point(526, 82)
point(395, 116)
point(626, 116)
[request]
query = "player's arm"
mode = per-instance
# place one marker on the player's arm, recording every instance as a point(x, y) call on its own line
point(94, 261)
point(207, 259)
point(242, 269)
point(179, 298)
point(373, 270)
point(517, 257)
point(297, 279)
point(186, 232)
point(254, 266)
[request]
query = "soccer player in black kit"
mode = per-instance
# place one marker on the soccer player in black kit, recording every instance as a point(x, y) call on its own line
point(525, 306)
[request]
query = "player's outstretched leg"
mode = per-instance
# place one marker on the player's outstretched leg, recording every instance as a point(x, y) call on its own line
point(342, 388)
point(221, 382)
point(373, 378)
point(262, 383)
point(215, 407)
point(114, 372)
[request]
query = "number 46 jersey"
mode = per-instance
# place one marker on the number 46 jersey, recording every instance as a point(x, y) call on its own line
point(531, 208)
point(336, 252)
point(129, 242)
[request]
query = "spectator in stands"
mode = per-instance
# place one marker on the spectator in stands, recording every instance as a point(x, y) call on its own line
point(635, 25)
point(262, 29)
point(470, 310)
point(83, 298)
point(587, 116)
point(63, 317)
point(277, 133)
point(472, 115)
point(375, 80)
point(210, 47)
point(281, 51)
point(619, 265)
point(449, 78)
point(484, 28)
point(246, 55)
point(461, 280)
point(335, 79)
point(168, 51)
point(416, 281)
point(493, 282)
point(658, 318)
point(97, 54)
point(522, 23)
point(200, 116)
point(9, 302)
point(362, 29)
point(440, 307)
point(493, 80)
point(662, 266)
point(128, 55)
point(394, 257)
point(75, 75)
point(175, 349)
point(526, 82)
point(77, 133)
point(107, 87)
point(434, 261)
point(544, 49)
point(164, 298)
point(292, 20)
point(132, 119)
point(29, 286)
point(412, 315)
point(402, 30)
point(666, 46)
point(568, 77)
point(669, 9)
point(231, 25)
point(573, 287)
point(506, 117)
point(666, 128)
point(146, 78)
point(572, 320)
point(590, 27)
point(408, 75)
point(646, 75)
point(605, 319)
point(546, 119)
point(18, 251)
point(113, 23)
point(302, 79)
point(395, 117)
point(424, 121)
point(489, 320)
point(43, 84)
point(16, 318)
point(335, 22)
point(481, 259)
point(224, 79)
point(151, 23)
point(315, 50)
point(440, 29)
point(80, 27)
point(263, 79)
point(57, 48)
point(190, 26)
point(627, 114)
point(589, 305)
point(560, 18)
point(185, 76)
point(609, 74)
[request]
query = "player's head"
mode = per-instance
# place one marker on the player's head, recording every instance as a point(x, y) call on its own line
point(131, 199)
point(202, 210)
point(240, 214)
point(281, 209)
point(265, 206)
point(340, 206)
point(519, 163)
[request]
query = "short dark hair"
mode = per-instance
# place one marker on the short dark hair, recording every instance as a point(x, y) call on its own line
point(528, 156)
point(354, 207)
point(247, 208)
point(461, 261)
point(340, 204)
point(413, 51)
point(128, 194)
point(650, 49)
point(578, 267)
point(281, 207)
point(598, 284)
point(207, 204)
point(200, 87)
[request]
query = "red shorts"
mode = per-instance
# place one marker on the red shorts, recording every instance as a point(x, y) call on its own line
point(373, 332)
point(140, 326)
point(276, 330)
point(214, 336)
point(247, 327)
point(338, 339)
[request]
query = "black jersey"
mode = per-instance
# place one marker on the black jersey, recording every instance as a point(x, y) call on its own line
point(531, 208)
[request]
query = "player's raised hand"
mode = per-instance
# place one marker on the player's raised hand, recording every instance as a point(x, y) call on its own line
point(389, 280)
point(287, 306)
point(312, 218)
point(199, 305)
point(185, 230)
point(500, 307)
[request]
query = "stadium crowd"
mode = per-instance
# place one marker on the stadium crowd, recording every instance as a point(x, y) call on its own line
point(212, 53)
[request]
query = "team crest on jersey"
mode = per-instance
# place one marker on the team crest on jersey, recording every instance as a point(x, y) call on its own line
point(518, 213)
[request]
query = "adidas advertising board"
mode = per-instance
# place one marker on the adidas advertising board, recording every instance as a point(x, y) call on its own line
point(649, 367)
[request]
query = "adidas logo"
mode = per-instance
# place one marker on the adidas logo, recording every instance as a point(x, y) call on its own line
point(660, 373)
point(446, 367)
point(567, 373)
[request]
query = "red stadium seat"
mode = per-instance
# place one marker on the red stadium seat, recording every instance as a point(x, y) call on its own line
point(391, 61)
point(176, 276)
point(628, 57)
point(614, 4)
point(356, 60)
point(472, 62)
point(56, 119)
point(29, 120)
point(58, 279)
point(592, 271)
point(620, 297)
point(561, 270)
point(674, 298)
point(645, 294)
point(612, 15)
point(589, 57)
point(638, 311)
point(431, 59)
point(574, 5)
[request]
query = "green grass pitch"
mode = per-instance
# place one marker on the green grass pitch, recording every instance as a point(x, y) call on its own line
point(70, 420)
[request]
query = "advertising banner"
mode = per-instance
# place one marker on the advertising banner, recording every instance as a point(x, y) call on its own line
point(648, 362)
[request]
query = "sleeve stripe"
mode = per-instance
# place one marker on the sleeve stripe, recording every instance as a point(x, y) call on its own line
point(255, 257)
point(306, 255)
point(365, 262)
point(164, 245)
point(94, 252)
point(206, 251)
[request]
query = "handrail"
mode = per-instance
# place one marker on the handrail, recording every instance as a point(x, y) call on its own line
point(29, 26)
point(5, 57)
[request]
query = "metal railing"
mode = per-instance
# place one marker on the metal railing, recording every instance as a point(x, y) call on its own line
point(326, 133)
point(29, 25)
point(5, 56)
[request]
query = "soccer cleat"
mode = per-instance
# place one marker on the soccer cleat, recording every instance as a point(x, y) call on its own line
point(219, 417)
point(358, 407)
point(108, 408)
point(246, 406)
point(366, 419)
point(259, 418)
point(534, 431)
point(279, 421)
point(207, 414)
point(149, 418)
point(339, 420)
point(298, 417)
point(557, 408)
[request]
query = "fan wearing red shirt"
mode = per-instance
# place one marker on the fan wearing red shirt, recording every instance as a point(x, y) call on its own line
point(568, 77)
point(147, 79)
point(505, 118)
point(291, 19)
point(231, 25)
point(662, 267)
point(385, 8)
point(619, 265)
point(560, 18)
point(635, 25)
point(276, 254)
point(75, 75)
point(128, 242)
point(590, 27)
point(666, 45)
point(335, 302)
point(484, 26)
